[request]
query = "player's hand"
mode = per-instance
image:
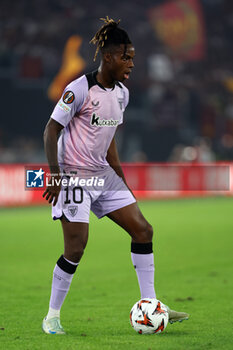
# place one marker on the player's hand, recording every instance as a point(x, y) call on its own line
point(53, 189)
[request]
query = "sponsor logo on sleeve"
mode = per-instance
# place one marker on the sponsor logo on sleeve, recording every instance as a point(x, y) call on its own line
point(64, 107)
point(68, 97)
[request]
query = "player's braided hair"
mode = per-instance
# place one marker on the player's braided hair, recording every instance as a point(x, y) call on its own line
point(109, 34)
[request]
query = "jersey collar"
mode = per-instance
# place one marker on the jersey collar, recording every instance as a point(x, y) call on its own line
point(94, 74)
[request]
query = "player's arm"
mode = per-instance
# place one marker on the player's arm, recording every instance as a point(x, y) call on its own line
point(51, 135)
point(114, 161)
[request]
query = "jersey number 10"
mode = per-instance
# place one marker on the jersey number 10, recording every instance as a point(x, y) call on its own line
point(76, 192)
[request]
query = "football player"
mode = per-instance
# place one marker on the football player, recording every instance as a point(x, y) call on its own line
point(80, 142)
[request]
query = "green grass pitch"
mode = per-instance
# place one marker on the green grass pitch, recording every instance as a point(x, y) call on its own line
point(193, 259)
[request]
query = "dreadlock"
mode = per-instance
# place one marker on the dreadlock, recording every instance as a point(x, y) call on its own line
point(109, 34)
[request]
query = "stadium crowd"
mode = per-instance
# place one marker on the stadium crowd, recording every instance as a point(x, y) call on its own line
point(182, 111)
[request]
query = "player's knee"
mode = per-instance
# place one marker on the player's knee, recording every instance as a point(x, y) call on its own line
point(74, 252)
point(74, 255)
point(144, 233)
point(148, 233)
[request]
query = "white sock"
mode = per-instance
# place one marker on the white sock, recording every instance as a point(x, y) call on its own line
point(60, 287)
point(62, 276)
point(144, 266)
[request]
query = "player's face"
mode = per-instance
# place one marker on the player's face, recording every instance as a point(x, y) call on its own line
point(121, 63)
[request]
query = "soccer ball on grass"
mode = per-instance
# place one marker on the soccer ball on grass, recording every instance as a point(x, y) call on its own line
point(149, 316)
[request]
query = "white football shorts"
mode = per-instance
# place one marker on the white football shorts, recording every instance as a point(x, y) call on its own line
point(102, 195)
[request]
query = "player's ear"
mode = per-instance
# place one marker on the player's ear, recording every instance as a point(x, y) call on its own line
point(107, 57)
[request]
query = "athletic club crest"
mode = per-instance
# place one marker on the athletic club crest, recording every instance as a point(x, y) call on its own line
point(121, 98)
point(72, 210)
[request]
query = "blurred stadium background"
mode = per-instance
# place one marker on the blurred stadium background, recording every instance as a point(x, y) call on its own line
point(180, 113)
point(181, 90)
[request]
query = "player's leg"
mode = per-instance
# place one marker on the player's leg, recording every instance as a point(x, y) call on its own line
point(131, 220)
point(75, 240)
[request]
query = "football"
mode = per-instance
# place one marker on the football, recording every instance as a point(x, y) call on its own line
point(149, 316)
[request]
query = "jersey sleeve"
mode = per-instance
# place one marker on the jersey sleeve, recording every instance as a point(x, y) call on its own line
point(71, 101)
point(125, 101)
point(126, 96)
